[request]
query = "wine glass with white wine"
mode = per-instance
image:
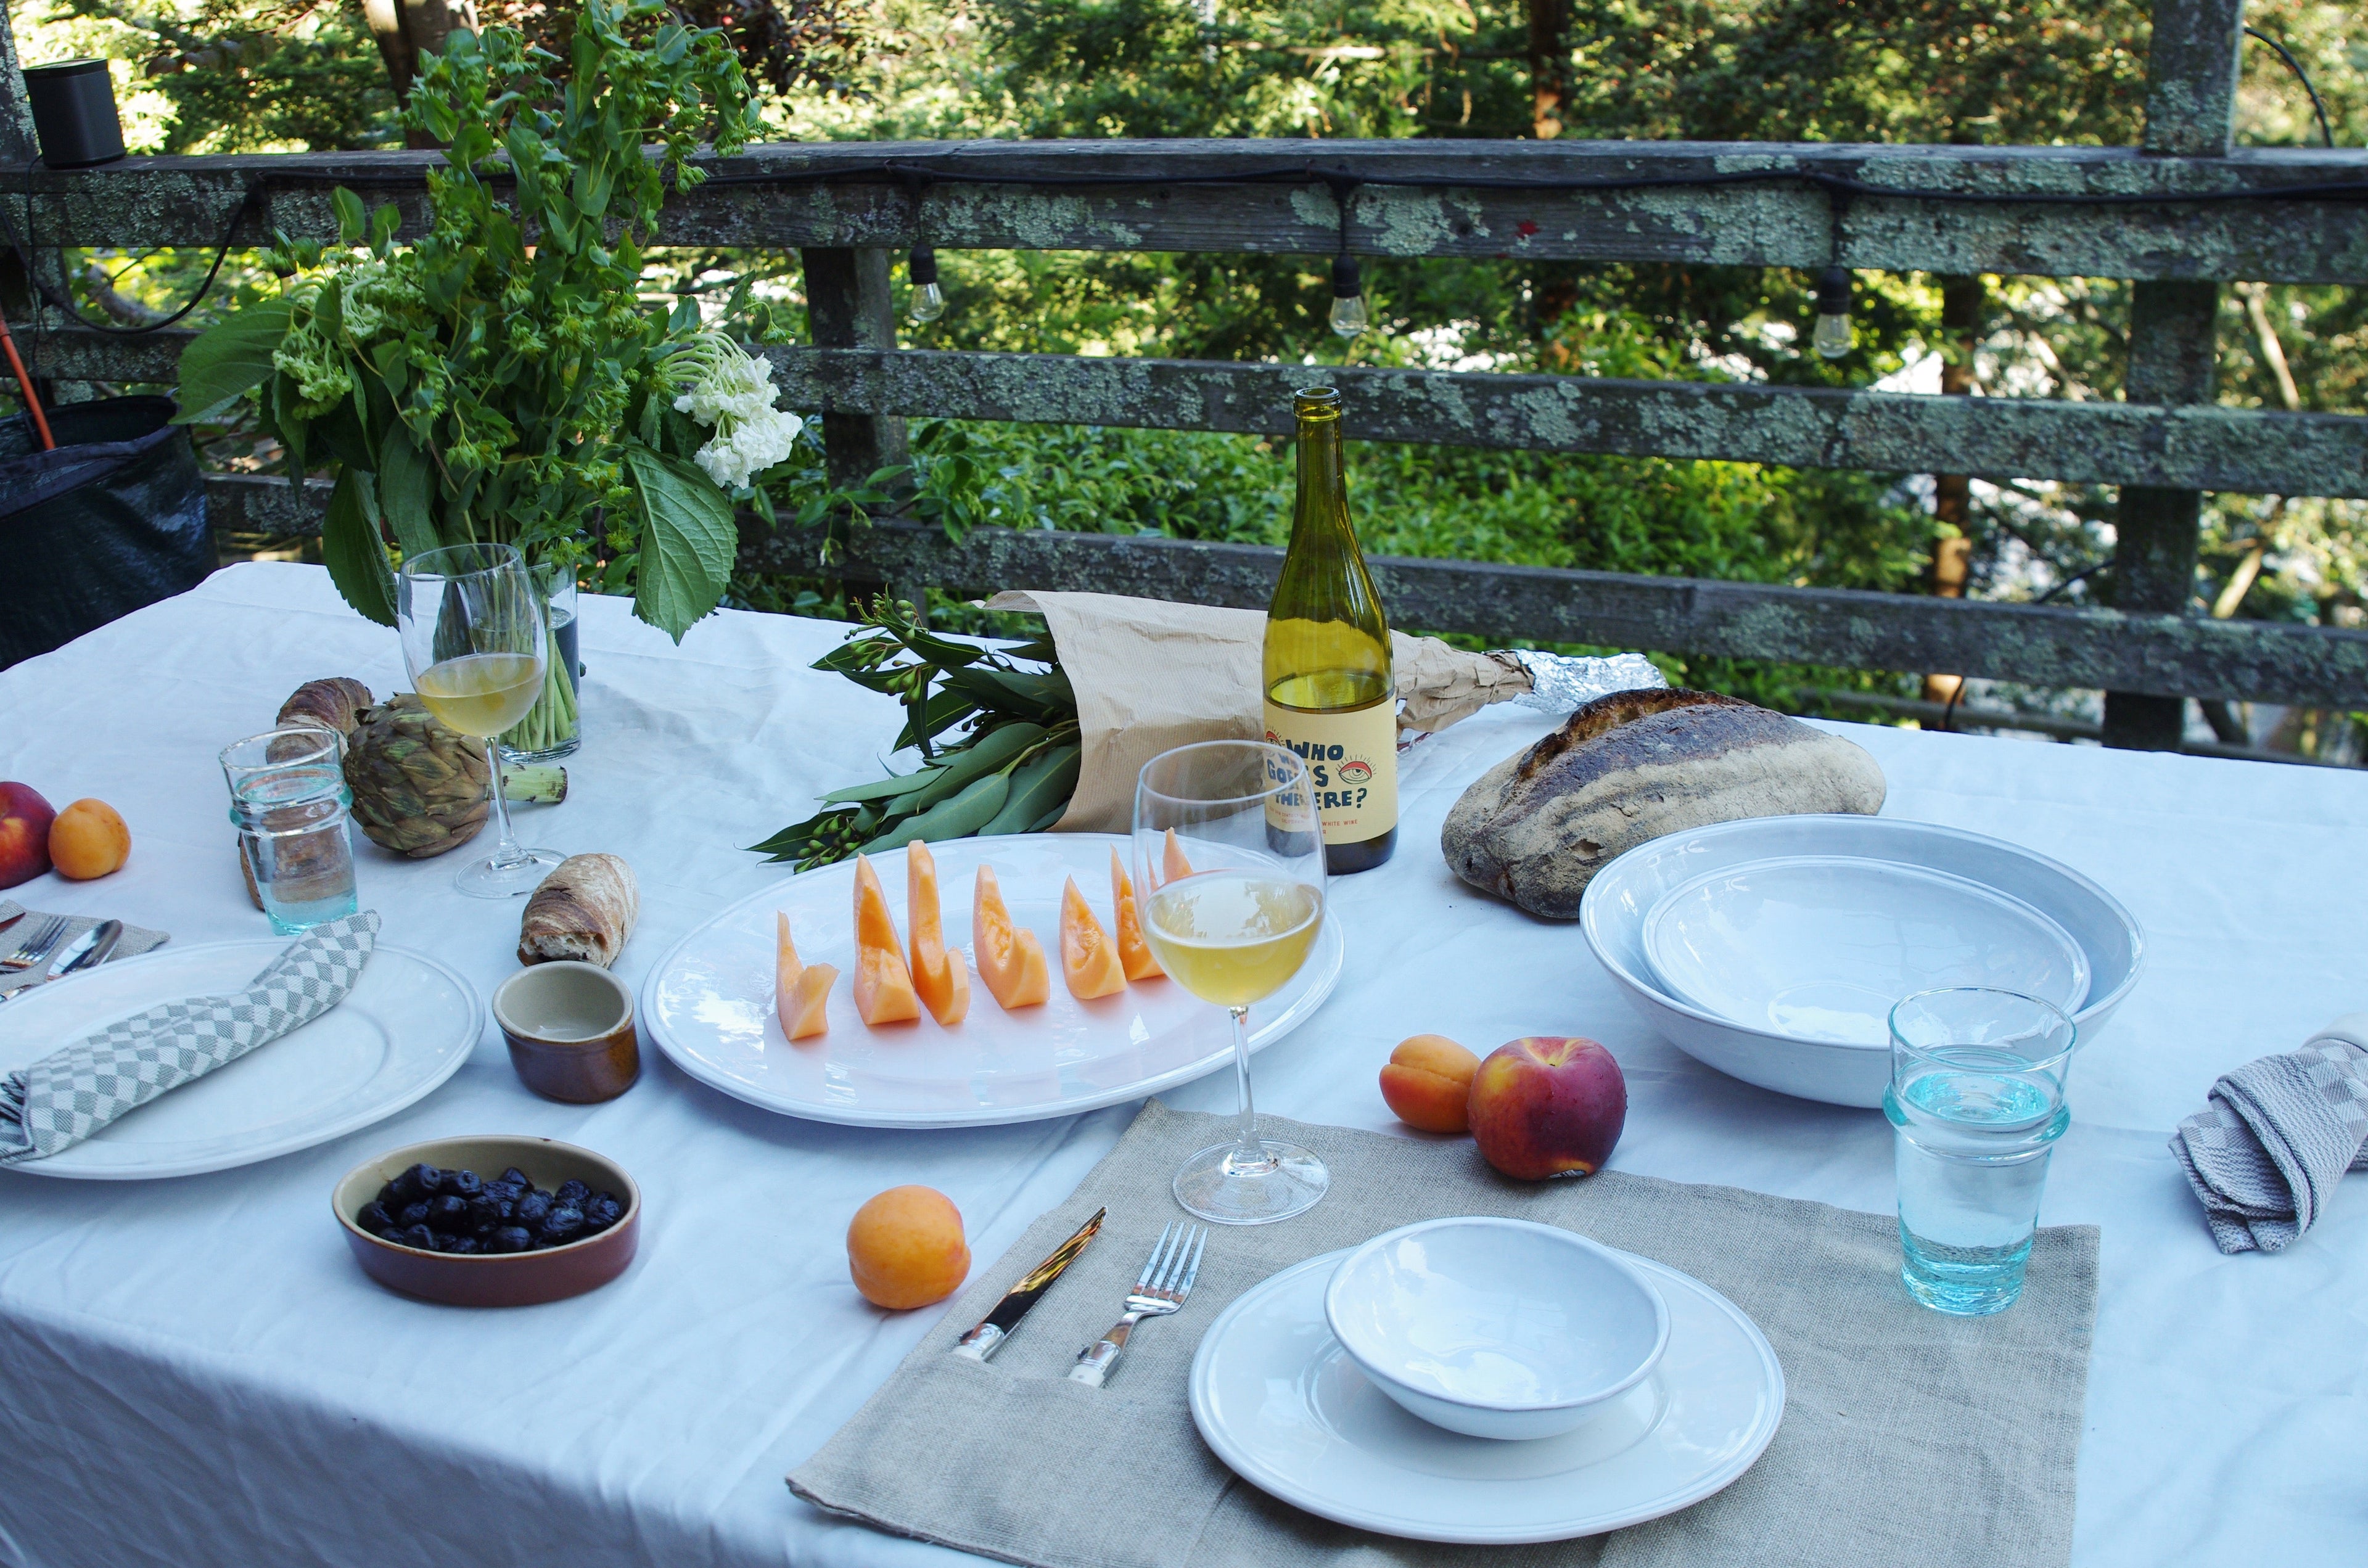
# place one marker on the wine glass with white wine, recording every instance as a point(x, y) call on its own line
point(1229, 852)
point(474, 642)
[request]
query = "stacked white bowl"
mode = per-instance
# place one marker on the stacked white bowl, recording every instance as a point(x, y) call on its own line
point(1772, 948)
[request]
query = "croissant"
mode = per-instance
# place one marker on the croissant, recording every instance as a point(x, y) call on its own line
point(585, 909)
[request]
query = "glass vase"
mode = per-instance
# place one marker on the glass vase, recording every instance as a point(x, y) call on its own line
point(552, 728)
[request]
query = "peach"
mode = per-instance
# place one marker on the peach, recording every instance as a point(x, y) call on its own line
point(1427, 1083)
point(1548, 1106)
point(89, 840)
point(25, 820)
point(905, 1248)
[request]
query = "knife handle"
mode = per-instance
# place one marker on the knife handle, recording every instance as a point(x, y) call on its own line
point(980, 1343)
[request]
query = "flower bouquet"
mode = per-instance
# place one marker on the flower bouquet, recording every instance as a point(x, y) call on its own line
point(501, 378)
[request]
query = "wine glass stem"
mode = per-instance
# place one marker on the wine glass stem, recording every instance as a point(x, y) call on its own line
point(507, 852)
point(1249, 1156)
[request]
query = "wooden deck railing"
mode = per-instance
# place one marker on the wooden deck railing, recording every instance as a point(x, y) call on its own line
point(2177, 215)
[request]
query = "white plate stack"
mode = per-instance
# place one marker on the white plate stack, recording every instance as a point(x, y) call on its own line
point(1773, 948)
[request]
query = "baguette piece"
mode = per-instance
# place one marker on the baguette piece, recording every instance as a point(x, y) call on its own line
point(585, 909)
point(1635, 766)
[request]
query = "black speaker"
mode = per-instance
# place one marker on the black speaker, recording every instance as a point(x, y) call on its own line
point(73, 113)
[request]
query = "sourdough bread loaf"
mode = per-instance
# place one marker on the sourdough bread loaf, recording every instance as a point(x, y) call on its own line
point(585, 909)
point(1632, 766)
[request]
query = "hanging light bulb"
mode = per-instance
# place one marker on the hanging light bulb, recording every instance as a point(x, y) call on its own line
point(1834, 336)
point(1348, 314)
point(928, 299)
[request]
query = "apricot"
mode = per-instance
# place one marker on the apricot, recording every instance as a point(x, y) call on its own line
point(1548, 1106)
point(904, 1248)
point(1428, 1083)
point(89, 839)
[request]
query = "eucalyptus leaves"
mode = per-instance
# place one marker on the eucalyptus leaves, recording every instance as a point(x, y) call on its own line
point(1012, 771)
point(501, 379)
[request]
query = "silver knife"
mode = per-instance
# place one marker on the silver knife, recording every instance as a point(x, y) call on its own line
point(996, 1327)
point(90, 950)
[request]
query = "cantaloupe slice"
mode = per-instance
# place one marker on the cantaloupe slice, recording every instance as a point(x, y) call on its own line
point(1176, 868)
point(801, 989)
point(883, 986)
point(939, 973)
point(1133, 952)
point(1011, 959)
point(1089, 960)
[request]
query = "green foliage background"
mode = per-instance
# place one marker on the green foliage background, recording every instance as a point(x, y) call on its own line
point(1970, 71)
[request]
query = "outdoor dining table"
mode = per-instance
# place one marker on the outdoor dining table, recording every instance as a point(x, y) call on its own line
point(193, 1371)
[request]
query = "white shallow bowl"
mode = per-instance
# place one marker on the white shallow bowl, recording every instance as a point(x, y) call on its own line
point(1820, 946)
point(1496, 1328)
point(1612, 914)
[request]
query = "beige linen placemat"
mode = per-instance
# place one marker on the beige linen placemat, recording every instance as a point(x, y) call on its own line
point(135, 940)
point(1909, 1438)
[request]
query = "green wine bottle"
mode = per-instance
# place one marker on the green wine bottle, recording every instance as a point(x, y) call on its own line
point(1330, 693)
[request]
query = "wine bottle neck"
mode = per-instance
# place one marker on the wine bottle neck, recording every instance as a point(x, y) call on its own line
point(1322, 484)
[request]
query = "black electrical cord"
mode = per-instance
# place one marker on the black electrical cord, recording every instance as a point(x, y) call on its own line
point(2317, 105)
point(25, 246)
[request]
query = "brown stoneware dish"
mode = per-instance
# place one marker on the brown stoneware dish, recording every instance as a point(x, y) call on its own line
point(570, 1029)
point(494, 1280)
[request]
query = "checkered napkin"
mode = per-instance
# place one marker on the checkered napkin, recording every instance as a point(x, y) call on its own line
point(2267, 1148)
point(68, 1094)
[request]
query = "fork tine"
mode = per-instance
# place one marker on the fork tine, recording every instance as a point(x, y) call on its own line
point(1151, 1265)
point(1191, 1268)
point(1172, 1284)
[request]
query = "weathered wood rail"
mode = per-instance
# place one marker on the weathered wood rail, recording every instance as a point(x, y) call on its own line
point(2177, 214)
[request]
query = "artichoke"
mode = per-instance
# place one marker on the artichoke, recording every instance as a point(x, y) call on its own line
point(419, 788)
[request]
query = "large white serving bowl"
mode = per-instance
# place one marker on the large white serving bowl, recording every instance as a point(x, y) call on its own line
point(1821, 947)
point(1496, 1328)
point(1612, 915)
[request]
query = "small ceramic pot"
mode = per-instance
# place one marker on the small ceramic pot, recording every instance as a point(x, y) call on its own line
point(570, 1029)
point(494, 1280)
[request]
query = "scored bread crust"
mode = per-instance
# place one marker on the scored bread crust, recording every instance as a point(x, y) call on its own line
point(585, 909)
point(1632, 766)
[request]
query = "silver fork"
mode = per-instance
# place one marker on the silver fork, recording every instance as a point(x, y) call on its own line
point(37, 943)
point(1166, 1281)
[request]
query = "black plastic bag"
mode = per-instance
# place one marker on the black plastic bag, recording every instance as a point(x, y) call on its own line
point(113, 519)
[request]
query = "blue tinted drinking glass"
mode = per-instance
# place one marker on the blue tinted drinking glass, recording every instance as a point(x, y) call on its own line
point(1976, 1097)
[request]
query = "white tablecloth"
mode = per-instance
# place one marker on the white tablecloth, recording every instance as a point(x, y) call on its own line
point(193, 1373)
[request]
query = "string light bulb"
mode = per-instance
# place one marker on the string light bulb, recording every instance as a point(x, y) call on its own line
point(928, 301)
point(1350, 316)
point(1834, 336)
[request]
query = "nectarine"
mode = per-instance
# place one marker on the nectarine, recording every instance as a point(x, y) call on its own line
point(25, 820)
point(905, 1248)
point(1548, 1106)
point(87, 840)
point(1429, 1082)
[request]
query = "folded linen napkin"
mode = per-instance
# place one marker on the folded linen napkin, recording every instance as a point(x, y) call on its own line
point(2267, 1148)
point(65, 1097)
point(135, 940)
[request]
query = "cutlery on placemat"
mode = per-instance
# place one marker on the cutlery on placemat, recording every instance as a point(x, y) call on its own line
point(90, 950)
point(37, 943)
point(996, 1327)
point(1166, 1281)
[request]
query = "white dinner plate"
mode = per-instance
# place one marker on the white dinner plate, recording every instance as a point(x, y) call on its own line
point(406, 1026)
point(709, 1004)
point(1281, 1404)
point(1820, 946)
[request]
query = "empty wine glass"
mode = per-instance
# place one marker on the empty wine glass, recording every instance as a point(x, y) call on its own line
point(474, 642)
point(1229, 849)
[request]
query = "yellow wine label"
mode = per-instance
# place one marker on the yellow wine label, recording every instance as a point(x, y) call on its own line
point(1353, 760)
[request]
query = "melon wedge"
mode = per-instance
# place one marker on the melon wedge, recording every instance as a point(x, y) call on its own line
point(939, 973)
point(1011, 960)
point(1089, 960)
point(1133, 952)
point(883, 986)
point(800, 991)
point(1175, 868)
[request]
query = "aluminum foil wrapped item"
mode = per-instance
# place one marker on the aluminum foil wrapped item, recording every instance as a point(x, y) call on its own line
point(1562, 684)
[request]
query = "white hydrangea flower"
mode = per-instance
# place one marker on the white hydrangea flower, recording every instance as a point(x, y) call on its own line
point(732, 392)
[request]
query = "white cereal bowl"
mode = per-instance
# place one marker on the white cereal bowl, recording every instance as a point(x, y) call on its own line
point(1612, 913)
point(1496, 1328)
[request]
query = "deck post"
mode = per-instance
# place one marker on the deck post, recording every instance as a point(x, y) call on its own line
point(2190, 102)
